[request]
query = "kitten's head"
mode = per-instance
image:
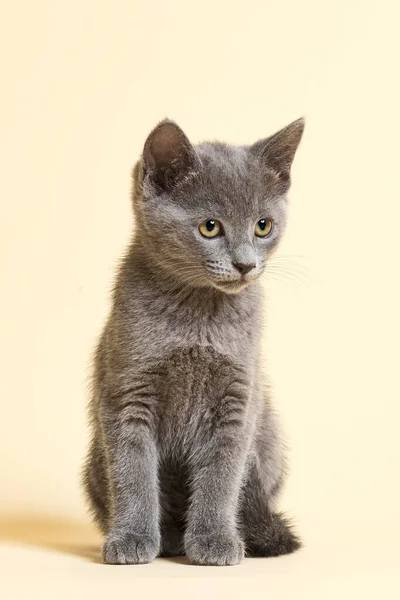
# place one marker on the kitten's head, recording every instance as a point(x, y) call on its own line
point(212, 214)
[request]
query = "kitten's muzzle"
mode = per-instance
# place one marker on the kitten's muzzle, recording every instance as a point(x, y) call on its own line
point(235, 285)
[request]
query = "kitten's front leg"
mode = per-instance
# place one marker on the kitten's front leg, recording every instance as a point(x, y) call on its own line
point(217, 466)
point(129, 433)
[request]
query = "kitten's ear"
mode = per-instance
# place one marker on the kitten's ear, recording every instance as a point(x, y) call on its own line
point(168, 156)
point(277, 152)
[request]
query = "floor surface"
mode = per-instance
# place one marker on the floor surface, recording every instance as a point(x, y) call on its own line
point(50, 559)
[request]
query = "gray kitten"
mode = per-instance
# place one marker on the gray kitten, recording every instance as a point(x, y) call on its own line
point(185, 455)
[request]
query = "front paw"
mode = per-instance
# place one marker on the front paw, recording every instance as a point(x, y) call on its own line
point(125, 548)
point(214, 549)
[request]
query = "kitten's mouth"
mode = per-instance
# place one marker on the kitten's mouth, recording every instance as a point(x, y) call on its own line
point(233, 287)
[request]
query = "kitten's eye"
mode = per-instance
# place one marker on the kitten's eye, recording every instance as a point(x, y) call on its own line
point(210, 229)
point(263, 228)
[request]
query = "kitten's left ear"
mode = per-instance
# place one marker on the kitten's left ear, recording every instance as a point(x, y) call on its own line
point(277, 152)
point(168, 156)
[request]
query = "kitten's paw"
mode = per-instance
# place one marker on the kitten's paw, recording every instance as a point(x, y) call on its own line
point(124, 548)
point(223, 549)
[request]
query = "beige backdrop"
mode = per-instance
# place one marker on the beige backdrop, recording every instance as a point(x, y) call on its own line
point(82, 83)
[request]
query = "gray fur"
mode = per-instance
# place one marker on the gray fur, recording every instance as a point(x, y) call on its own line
point(185, 454)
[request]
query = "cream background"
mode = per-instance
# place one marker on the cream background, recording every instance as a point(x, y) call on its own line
point(82, 83)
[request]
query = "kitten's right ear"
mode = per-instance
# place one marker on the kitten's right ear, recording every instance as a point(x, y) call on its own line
point(277, 152)
point(168, 156)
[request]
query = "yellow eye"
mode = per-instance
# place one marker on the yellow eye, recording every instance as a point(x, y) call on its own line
point(210, 229)
point(263, 228)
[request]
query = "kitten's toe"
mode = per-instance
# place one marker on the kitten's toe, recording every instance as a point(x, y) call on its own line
point(125, 548)
point(223, 549)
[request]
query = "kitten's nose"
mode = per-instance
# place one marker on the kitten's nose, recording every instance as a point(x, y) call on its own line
point(243, 268)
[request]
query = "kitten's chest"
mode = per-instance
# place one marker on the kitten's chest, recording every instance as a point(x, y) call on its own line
point(226, 336)
point(193, 393)
point(229, 332)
